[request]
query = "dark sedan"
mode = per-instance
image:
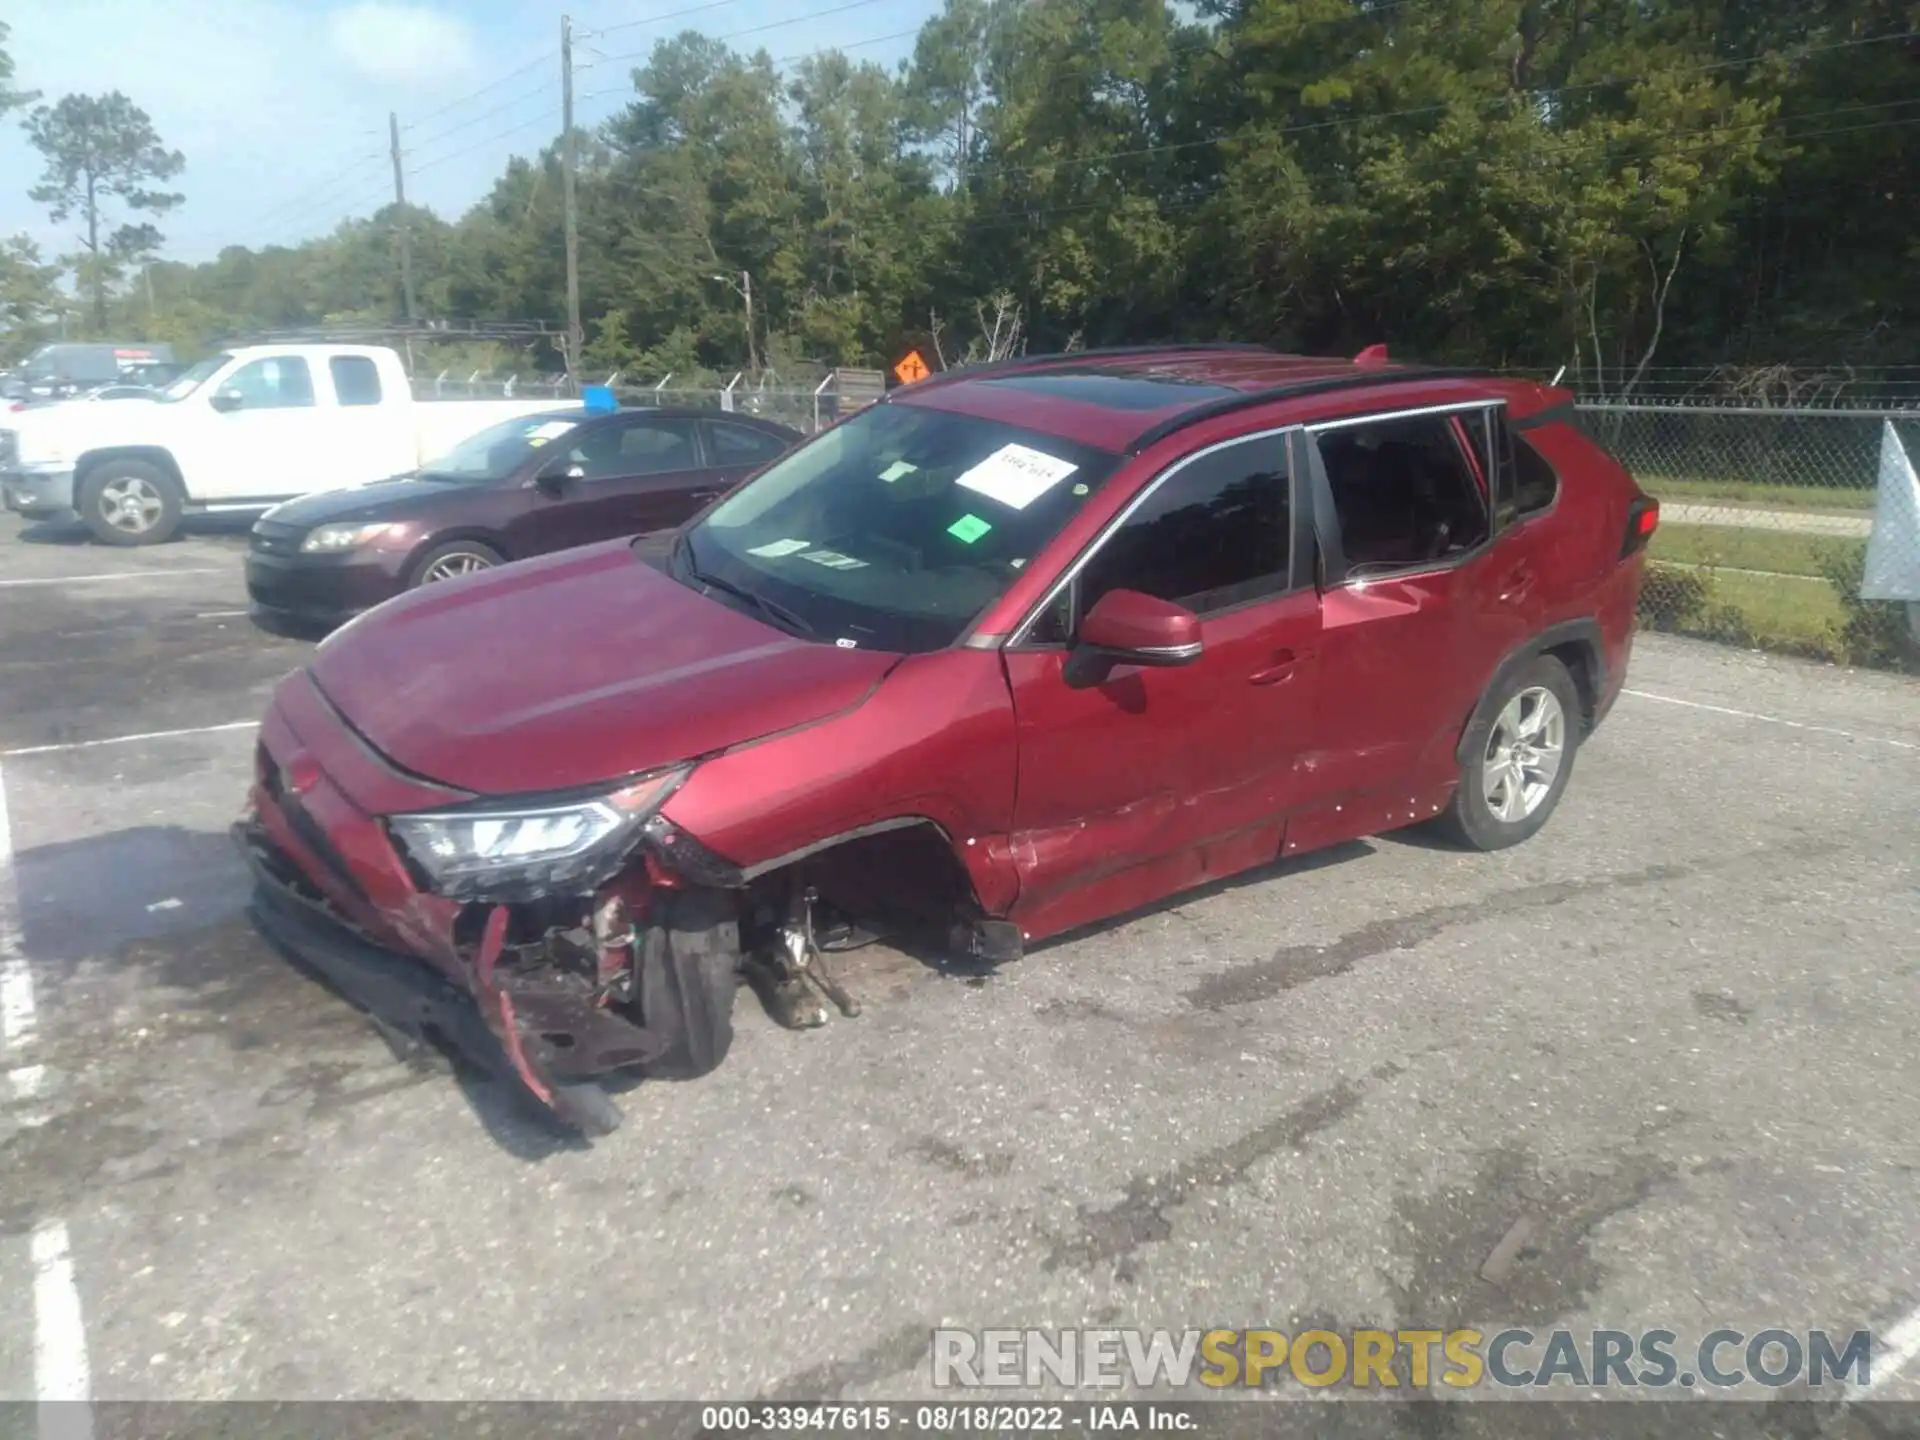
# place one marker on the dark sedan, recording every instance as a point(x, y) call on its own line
point(524, 487)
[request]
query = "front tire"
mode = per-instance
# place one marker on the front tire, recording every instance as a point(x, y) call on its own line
point(689, 979)
point(1519, 757)
point(451, 561)
point(130, 502)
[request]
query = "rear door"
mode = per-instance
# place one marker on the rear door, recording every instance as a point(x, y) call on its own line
point(736, 450)
point(1191, 766)
point(638, 473)
point(1422, 598)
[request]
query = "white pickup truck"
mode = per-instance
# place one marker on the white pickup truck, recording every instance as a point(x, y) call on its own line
point(242, 430)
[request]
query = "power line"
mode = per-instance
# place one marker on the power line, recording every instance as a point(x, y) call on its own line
point(654, 20)
point(490, 86)
point(542, 119)
point(542, 90)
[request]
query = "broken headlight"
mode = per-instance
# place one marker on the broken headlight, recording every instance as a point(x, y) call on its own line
point(501, 851)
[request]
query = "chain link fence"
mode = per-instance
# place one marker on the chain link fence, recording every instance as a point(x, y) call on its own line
point(1766, 516)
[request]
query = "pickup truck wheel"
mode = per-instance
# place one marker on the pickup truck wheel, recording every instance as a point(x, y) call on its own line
point(448, 562)
point(130, 502)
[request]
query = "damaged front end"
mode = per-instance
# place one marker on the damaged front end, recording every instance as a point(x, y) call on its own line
point(559, 942)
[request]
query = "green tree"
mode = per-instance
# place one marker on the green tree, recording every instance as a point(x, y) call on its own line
point(103, 153)
point(30, 299)
point(10, 98)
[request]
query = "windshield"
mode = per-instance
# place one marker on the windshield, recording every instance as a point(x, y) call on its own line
point(192, 379)
point(895, 529)
point(499, 450)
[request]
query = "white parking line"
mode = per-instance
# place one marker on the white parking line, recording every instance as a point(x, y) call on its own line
point(61, 1379)
point(60, 1371)
point(116, 575)
point(1770, 719)
point(129, 739)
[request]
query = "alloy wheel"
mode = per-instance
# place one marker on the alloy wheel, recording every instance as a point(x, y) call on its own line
point(1524, 754)
point(130, 504)
point(449, 566)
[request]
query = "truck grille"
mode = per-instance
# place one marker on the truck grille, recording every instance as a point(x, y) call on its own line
point(9, 450)
point(272, 538)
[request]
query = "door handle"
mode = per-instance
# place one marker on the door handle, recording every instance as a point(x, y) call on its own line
point(1281, 667)
point(1516, 586)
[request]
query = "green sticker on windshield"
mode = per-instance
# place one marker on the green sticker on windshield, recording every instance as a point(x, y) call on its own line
point(968, 528)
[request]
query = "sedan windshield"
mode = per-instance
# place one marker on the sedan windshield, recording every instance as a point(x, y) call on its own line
point(897, 528)
point(499, 450)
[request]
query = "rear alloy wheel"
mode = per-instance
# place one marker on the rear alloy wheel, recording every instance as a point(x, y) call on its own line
point(1519, 758)
point(450, 562)
point(129, 502)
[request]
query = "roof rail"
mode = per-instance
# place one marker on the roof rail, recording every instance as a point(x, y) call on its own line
point(1324, 385)
point(1021, 363)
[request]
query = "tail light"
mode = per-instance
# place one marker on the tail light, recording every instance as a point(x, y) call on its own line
point(1643, 518)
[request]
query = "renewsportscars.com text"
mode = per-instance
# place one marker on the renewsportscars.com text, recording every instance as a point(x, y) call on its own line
point(1392, 1359)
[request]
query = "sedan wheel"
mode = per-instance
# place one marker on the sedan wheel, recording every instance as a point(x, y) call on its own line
point(463, 562)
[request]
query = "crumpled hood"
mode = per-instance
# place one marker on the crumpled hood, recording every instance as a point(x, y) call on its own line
point(573, 670)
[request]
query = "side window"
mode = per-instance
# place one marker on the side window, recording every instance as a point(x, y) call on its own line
point(638, 448)
point(280, 382)
point(356, 380)
point(1528, 483)
point(737, 445)
point(1404, 491)
point(1216, 533)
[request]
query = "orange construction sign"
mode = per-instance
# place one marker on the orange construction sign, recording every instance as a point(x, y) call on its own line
point(911, 368)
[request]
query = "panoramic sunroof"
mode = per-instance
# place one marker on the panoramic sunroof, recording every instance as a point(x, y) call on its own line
point(1116, 391)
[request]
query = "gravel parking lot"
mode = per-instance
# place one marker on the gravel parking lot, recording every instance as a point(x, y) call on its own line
point(1675, 1034)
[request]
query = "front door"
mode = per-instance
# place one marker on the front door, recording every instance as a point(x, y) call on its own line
point(273, 446)
point(1160, 778)
point(638, 473)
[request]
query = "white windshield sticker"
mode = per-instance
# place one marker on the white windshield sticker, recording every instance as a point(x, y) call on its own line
point(834, 560)
point(898, 470)
point(1017, 476)
point(552, 430)
point(780, 547)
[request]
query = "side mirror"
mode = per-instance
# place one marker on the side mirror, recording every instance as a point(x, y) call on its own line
point(555, 478)
point(227, 401)
point(1128, 628)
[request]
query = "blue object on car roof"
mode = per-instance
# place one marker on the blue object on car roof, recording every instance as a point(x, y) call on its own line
point(599, 399)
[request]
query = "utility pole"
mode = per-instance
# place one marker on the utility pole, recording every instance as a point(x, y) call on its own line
point(743, 287)
point(567, 162)
point(400, 210)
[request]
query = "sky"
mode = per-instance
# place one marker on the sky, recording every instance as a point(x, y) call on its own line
point(280, 106)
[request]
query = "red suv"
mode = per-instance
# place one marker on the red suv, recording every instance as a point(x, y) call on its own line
point(1017, 649)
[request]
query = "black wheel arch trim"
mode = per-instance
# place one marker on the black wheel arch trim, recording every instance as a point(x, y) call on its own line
point(1585, 633)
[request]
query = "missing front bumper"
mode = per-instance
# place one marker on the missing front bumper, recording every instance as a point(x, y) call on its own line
point(403, 993)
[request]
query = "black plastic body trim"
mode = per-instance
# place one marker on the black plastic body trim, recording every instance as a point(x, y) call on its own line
point(1585, 633)
point(1326, 385)
point(1552, 415)
point(1026, 363)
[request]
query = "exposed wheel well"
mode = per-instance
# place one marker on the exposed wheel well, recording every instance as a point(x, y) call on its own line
point(904, 875)
point(1583, 664)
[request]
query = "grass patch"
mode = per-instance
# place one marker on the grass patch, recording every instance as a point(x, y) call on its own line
point(1777, 551)
point(1816, 498)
